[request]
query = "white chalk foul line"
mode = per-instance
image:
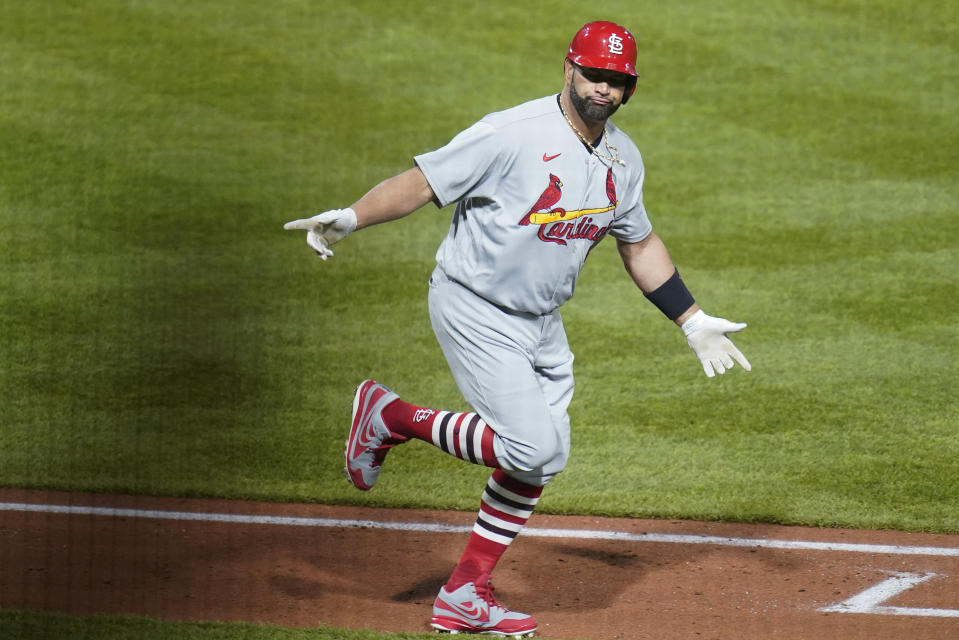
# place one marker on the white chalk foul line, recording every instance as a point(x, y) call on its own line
point(870, 600)
point(426, 527)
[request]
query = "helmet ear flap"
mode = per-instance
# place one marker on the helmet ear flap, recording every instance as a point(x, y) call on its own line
point(630, 88)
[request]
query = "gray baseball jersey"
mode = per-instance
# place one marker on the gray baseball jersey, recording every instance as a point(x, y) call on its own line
point(532, 201)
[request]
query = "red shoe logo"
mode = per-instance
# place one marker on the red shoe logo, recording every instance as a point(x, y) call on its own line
point(473, 610)
point(364, 432)
point(547, 158)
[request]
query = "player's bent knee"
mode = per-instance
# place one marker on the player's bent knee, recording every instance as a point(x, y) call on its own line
point(534, 465)
point(539, 477)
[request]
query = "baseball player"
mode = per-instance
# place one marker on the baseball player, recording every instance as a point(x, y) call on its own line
point(536, 187)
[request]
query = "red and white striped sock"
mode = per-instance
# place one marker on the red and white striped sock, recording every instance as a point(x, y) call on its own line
point(463, 435)
point(506, 506)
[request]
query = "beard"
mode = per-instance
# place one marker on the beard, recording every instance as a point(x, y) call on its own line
point(590, 111)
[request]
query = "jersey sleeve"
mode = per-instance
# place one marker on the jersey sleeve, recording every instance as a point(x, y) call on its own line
point(631, 223)
point(468, 160)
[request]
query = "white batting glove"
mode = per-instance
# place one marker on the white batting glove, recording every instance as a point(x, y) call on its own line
point(706, 336)
point(325, 229)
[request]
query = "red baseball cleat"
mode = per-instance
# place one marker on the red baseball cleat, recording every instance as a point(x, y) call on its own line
point(473, 609)
point(370, 439)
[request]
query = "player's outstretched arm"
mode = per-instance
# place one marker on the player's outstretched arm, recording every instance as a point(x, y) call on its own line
point(391, 199)
point(653, 271)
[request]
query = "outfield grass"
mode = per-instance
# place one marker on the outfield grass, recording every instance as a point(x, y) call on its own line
point(32, 625)
point(161, 334)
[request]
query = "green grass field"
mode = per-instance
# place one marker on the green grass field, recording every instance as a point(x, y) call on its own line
point(44, 626)
point(161, 333)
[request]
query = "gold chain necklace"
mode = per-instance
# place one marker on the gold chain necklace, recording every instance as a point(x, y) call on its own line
point(613, 151)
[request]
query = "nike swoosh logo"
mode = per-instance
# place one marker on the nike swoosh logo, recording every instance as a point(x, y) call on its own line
point(547, 158)
point(365, 433)
point(474, 612)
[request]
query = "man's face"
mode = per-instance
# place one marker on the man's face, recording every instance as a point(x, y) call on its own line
point(595, 93)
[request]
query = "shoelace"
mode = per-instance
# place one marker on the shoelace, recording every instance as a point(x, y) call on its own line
point(379, 453)
point(485, 591)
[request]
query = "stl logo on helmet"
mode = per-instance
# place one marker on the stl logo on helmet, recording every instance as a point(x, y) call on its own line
point(615, 45)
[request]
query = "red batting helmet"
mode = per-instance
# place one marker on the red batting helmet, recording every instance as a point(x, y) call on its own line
point(606, 45)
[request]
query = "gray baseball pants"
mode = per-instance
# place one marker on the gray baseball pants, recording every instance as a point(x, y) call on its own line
point(515, 370)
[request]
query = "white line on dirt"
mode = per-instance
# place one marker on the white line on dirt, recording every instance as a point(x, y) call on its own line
point(425, 527)
point(877, 594)
point(870, 600)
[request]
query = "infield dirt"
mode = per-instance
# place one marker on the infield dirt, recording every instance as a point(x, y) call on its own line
point(298, 576)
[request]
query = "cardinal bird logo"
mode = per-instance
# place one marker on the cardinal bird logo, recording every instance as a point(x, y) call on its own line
point(611, 188)
point(555, 222)
point(550, 196)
